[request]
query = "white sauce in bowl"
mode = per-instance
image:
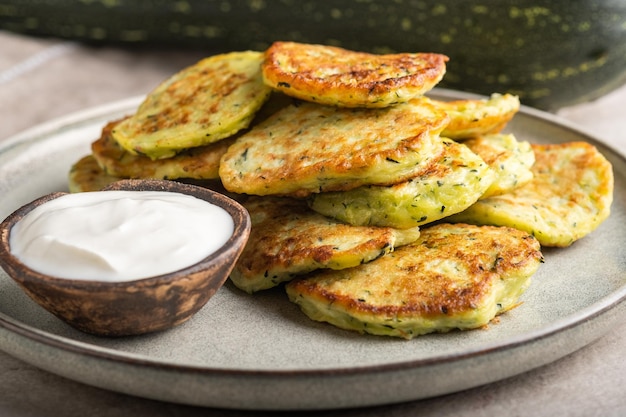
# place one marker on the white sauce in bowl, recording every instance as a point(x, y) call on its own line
point(119, 235)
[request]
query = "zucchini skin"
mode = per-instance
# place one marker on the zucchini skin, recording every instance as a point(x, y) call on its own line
point(550, 53)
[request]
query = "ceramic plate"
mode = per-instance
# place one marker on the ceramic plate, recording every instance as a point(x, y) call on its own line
point(260, 352)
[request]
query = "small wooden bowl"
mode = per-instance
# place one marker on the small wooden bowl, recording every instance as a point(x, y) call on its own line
point(133, 307)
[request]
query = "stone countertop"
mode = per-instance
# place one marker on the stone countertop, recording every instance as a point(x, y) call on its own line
point(44, 79)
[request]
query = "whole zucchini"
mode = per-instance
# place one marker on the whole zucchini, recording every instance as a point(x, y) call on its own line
point(551, 53)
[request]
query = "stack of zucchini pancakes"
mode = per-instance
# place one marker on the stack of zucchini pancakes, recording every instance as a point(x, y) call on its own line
point(376, 208)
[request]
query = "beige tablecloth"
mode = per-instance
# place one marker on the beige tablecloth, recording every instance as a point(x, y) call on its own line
point(44, 79)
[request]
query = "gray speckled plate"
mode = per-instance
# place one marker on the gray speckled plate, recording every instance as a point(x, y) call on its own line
point(261, 352)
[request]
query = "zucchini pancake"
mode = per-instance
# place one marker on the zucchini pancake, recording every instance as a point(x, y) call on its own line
point(339, 77)
point(289, 239)
point(510, 159)
point(451, 184)
point(201, 162)
point(452, 277)
point(569, 197)
point(86, 175)
point(208, 101)
point(374, 207)
point(307, 148)
point(475, 117)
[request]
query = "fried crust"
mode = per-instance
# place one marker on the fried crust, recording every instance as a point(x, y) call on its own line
point(203, 103)
point(336, 76)
point(309, 148)
point(452, 277)
point(569, 196)
point(288, 239)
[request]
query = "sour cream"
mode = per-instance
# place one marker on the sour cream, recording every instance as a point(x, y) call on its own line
point(119, 235)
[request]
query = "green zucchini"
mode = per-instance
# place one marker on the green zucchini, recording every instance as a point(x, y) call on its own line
point(551, 53)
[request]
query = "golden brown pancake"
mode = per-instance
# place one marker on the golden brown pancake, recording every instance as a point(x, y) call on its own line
point(569, 197)
point(476, 117)
point(205, 102)
point(289, 239)
point(309, 148)
point(452, 277)
point(201, 162)
point(86, 175)
point(456, 181)
point(340, 77)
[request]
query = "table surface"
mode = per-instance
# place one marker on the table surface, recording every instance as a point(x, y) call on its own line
point(43, 79)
